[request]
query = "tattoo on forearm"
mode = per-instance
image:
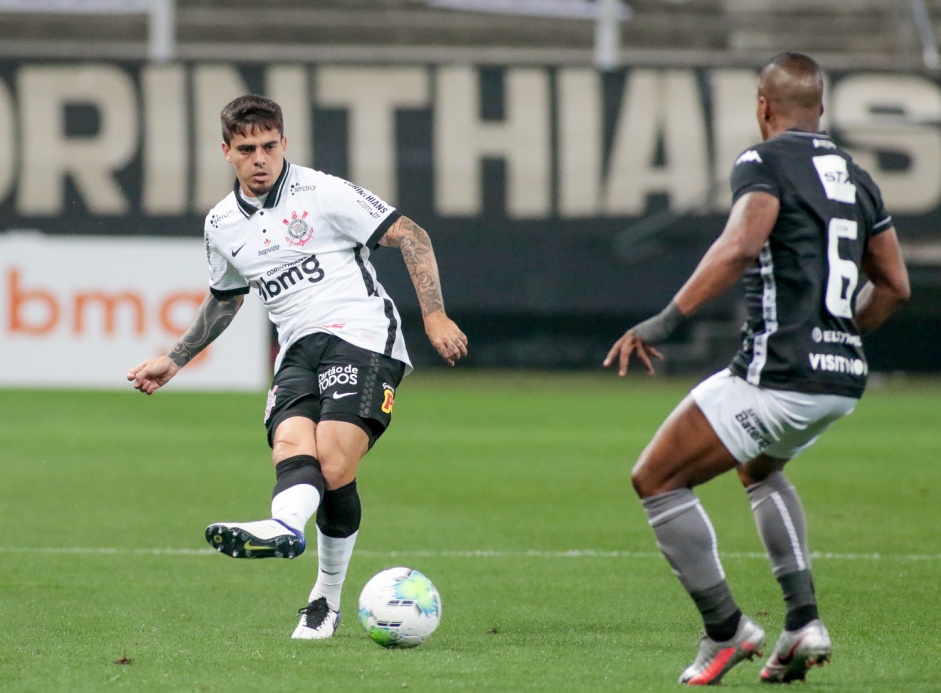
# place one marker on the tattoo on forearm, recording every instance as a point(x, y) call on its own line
point(213, 316)
point(419, 258)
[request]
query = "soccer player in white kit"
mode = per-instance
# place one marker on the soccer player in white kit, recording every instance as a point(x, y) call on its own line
point(301, 239)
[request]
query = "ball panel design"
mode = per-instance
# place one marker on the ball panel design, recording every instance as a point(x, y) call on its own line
point(399, 607)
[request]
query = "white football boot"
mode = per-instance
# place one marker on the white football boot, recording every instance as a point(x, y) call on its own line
point(715, 659)
point(262, 539)
point(796, 652)
point(318, 621)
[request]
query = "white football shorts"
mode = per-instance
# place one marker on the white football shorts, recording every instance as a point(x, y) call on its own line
point(751, 421)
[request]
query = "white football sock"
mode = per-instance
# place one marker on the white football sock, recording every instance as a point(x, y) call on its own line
point(333, 556)
point(294, 506)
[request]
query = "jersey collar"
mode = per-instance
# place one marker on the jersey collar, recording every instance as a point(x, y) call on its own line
point(274, 195)
point(807, 133)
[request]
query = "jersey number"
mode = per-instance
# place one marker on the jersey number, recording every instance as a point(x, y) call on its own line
point(843, 275)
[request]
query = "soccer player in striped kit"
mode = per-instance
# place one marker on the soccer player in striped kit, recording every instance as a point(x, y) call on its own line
point(806, 224)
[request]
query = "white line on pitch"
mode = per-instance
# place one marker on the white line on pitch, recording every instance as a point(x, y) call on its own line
point(583, 553)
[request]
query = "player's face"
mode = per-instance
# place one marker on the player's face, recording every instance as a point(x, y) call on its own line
point(258, 157)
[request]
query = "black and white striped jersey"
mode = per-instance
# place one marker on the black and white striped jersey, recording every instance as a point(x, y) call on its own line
point(305, 253)
point(799, 333)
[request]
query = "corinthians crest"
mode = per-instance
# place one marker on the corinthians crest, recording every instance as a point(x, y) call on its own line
point(299, 231)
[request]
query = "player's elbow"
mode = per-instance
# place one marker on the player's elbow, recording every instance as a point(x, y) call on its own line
point(742, 256)
point(904, 291)
point(898, 289)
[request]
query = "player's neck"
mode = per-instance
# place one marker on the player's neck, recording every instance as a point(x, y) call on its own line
point(802, 125)
point(251, 199)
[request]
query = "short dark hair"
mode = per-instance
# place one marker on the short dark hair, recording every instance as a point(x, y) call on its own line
point(796, 62)
point(246, 113)
point(797, 80)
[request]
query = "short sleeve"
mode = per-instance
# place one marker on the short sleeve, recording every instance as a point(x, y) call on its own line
point(882, 221)
point(752, 172)
point(356, 212)
point(224, 280)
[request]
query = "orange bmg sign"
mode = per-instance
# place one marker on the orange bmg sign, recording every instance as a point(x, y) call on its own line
point(38, 311)
point(80, 311)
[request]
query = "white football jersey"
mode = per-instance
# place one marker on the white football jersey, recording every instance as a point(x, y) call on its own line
point(305, 252)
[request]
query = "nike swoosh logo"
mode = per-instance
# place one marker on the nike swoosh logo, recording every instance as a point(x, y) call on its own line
point(236, 250)
point(789, 657)
point(251, 547)
point(341, 395)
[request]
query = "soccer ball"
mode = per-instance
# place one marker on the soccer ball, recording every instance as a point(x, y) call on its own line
point(399, 607)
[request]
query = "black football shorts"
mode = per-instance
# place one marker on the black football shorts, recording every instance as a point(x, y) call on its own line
point(324, 378)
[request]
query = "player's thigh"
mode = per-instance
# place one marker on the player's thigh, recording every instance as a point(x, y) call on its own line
point(357, 386)
point(684, 452)
point(340, 445)
point(759, 423)
point(294, 405)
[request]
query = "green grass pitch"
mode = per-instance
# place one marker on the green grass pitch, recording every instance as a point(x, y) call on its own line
point(511, 491)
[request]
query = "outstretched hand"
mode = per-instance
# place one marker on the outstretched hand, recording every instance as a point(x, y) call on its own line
point(628, 344)
point(153, 374)
point(446, 337)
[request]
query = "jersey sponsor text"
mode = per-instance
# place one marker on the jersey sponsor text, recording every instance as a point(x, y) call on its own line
point(835, 337)
point(835, 363)
point(338, 375)
point(754, 427)
point(291, 275)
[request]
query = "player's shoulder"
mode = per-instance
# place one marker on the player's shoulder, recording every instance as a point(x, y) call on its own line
point(755, 169)
point(301, 181)
point(222, 211)
point(304, 174)
point(333, 183)
point(764, 155)
point(754, 154)
point(342, 194)
point(858, 173)
point(789, 142)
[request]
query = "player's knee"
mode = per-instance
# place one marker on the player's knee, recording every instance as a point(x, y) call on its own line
point(339, 468)
point(640, 478)
point(647, 477)
point(284, 448)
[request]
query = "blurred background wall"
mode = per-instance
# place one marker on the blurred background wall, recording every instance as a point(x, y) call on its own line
point(569, 158)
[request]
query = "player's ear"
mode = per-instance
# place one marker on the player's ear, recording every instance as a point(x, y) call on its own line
point(284, 143)
point(762, 107)
point(225, 151)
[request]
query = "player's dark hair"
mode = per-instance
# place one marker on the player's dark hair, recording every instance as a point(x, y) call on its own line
point(248, 113)
point(797, 62)
point(803, 86)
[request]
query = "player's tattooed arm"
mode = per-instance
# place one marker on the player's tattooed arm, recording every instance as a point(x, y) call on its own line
point(212, 317)
point(419, 256)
